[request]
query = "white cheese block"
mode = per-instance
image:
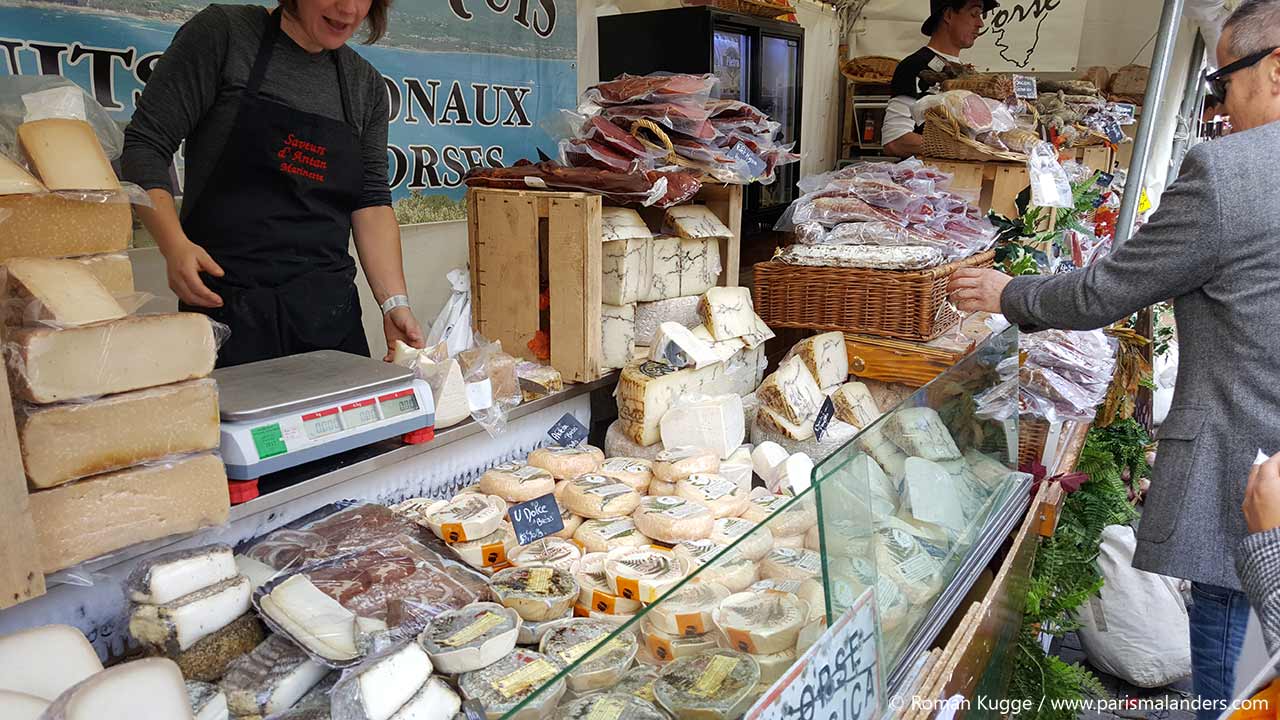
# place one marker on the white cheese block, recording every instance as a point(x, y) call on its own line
point(688, 610)
point(795, 474)
point(435, 700)
point(380, 686)
point(597, 660)
point(773, 422)
point(826, 357)
point(270, 679)
point(14, 180)
point(766, 459)
point(716, 423)
point(987, 469)
point(730, 570)
point(676, 345)
point(506, 684)
point(792, 393)
point(672, 519)
point(680, 267)
point(611, 705)
point(207, 701)
point(624, 265)
point(696, 222)
point(682, 311)
point(618, 444)
point(635, 472)
point(451, 398)
point(149, 689)
point(597, 536)
point(622, 224)
point(57, 293)
point(599, 496)
point(167, 577)
point(44, 661)
point(855, 405)
point(567, 463)
point(114, 271)
point(717, 685)
point(754, 541)
point(664, 647)
point(66, 154)
point(737, 467)
point(724, 497)
point(617, 335)
point(470, 638)
point(680, 461)
point(596, 592)
point(70, 441)
point(548, 552)
point(791, 564)
point(837, 436)
point(538, 594)
point(178, 625)
point(466, 517)
point(492, 550)
point(727, 312)
point(312, 619)
point(48, 365)
point(935, 497)
point(785, 516)
point(758, 335)
point(646, 391)
point(919, 432)
point(643, 574)
point(517, 483)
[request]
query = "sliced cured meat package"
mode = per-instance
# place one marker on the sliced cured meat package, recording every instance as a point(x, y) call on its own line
point(588, 153)
point(620, 141)
point(685, 119)
point(652, 88)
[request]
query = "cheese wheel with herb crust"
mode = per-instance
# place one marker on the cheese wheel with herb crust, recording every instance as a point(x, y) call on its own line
point(675, 464)
point(517, 483)
point(567, 463)
point(672, 519)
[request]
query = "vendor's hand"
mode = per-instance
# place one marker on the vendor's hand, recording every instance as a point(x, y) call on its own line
point(978, 290)
point(400, 324)
point(1262, 498)
point(185, 262)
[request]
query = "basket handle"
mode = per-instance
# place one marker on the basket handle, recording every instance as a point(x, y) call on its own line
point(657, 132)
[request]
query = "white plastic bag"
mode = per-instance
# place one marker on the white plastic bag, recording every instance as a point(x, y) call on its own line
point(1137, 629)
point(453, 324)
point(1050, 186)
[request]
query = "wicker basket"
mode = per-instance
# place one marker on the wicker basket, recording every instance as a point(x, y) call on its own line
point(1033, 433)
point(905, 305)
point(997, 86)
point(753, 7)
point(869, 69)
point(943, 139)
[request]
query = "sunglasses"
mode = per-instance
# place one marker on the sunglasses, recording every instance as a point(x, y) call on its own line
point(1220, 80)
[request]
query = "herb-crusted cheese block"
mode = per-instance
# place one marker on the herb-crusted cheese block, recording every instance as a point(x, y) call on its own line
point(682, 311)
point(181, 623)
point(567, 463)
point(600, 660)
point(762, 623)
point(792, 393)
point(717, 685)
point(672, 519)
point(491, 551)
point(677, 346)
point(826, 358)
point(597, 593)
point(727, 312)
point(919, 432)
point(538, 593)
point(599, 536)
point(270, 679)
point(681, 267)
point(598, 496)
point(615, 705)
point(57, 293)
point(687, 611)
point(855, 405)
point(549, 552)
point(679, 462)
point(470, 638)
point(754, 541)
point(504, 685)
point(622, 224)
point(642, 574)
point(617, 335)
point(724, 497)
point(647, 390)
point(517, 483)
point(716, 423)
point(636, 472)
point(169, 576)
point(791, 564)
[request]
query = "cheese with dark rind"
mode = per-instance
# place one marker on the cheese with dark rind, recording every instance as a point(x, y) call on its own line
point(504, 685)
point(167, 577)
point(537, 593)
point(270, 679)
point(470, 638)
point(597, 661)
point(718, 684)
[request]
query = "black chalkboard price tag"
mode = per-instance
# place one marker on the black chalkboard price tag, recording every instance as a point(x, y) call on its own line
point(536, 519)
point(474, 709)
point(568, 431)
point(825, 413)
point(1024, 87)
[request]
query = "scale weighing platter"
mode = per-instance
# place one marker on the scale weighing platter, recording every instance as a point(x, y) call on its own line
point(280, 413)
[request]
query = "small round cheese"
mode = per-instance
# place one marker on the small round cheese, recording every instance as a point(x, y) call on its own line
point(470, 638)
point(754, 541)
point(795, 542)
point(598, 660)
point(598, 536)
point(636, 472)
point(687, 611)
point(774, 666)
point(665, 647)
point(787, 516)
point(596, 592)
point(715, 684)
point(622, 706)
point(506, 684)
point(672, 519)
point(571, 524)
point(766, 458)
point(810, 635)
point(761, 623)
point(492, 550)
point(552, 552)
point(538, 593)
point(789, 564)
point(675, 464)
point(517, 483)
point(597, 496)
point(658, 488)
point(567, 463)
point(696, 553)
point(466, 517)
point(731, 570)
point(810, 592)
point(723, 496)
point(642, 574)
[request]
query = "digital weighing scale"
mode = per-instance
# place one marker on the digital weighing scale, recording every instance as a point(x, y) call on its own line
point(280, 413)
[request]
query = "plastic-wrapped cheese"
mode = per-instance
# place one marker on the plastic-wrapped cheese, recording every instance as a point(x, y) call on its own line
point(696, 553)
point(785, 516)
point(470, 638)
point(435, 700)
point(920, 432)
point(149, 689)
point(724, 497)
point(531, 633)
point(378, 687)
point(795, 475)
point(537, 593)
point(567, 463)
point(517, 483)
point(207, 701)
point(312, 619)
point(677, 463)
point(617, 444)
point(635, 472)
point(597, 496)
point(638, 682)
point(270, 679)
point(168, 576)
point(774, 666)
point(665, 647)
point(800, 439)
point(789, 564)
point(728, 531)
point(612, 705)
point(672, 519)
point(987, 469)
point(717, 685)
point(642, 574)
point(551, 552)
point(737, 467)
point(44, 661)
point(177, 625)
point(504, 685)
point(466, 517)
point(716, 423)
point(597, 593)
point(598, 536)
point(600, 660)
point(492, 550)
point(904, 561)
point(658, 488)
point(761, 623)
point(688, 610)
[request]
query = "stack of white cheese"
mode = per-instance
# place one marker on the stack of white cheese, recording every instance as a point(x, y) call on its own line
point(100, 391)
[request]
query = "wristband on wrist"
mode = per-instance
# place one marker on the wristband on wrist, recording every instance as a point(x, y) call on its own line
point(393, 302)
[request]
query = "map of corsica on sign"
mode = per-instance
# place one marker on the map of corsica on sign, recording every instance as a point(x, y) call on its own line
point(1030, 36)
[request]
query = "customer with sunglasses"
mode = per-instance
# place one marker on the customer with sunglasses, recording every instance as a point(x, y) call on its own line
point(1214, 248)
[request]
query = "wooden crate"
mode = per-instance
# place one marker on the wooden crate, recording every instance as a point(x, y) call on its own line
point(21, 573)
point(910, 363)
point(523, 240)
point(996, 184)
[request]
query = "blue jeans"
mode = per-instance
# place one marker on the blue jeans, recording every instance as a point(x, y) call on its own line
point(1219, 618)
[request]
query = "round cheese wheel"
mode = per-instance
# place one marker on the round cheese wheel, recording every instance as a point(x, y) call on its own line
point(642, 574)
point(491, 551)
point(664, 647)
point(809, 635)
point(538, 594)
point(472, 488)
point(596, 592)
point(788, 564)
point(675, 464)
point(636, 472)
point(517, 483)
point(658, 488)
point(571, 524)
point(598, 536)
point(509, 683)
point(754, 541)
point(773, 667)
point(795, 542)
point(596, 496)
point(552, 552)
point(696, 553)
point(610, 705)
point(737, 675)
point(732, 571)
point(466, 517)
point(813, 539)
point(687, 611)
point(725, 497)
point(761, 623)
point(567, 463)
point(787, 516)
point(470, 638)
point(597, 664)
point(809, 591)
point(672, 519)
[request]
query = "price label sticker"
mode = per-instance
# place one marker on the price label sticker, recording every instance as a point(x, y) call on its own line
point(825, 414)
point(1024, 87)
point(568, 431)
point(535, 519)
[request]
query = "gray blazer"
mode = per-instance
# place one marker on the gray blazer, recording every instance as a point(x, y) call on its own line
point(1214, 248)
point(1258, 561)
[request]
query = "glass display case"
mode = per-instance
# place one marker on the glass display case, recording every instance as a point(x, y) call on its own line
point(905, 510)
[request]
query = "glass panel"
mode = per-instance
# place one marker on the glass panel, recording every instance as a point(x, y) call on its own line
point(779, 83)
point(730, 63)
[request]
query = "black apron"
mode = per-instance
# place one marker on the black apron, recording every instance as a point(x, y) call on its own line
point(276, 216)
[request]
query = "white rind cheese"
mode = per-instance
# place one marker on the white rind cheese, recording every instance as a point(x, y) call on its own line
point(563, 555)
point(44, 661)
point(635, 472)
point(598, 536)
point(826, 358)
point(682, 311)
point(647, 390)
point(617, 335)
point(761, 623)
point(517, 483)
point(855, 405)
point(696, 222)
point(181, 623)
point(765, 460)
point(624, 264)
point(730, 570)
point(716, 423)
point(717, 685)
point(679, 462)
point(642, 574)
point(470, 638)
point(597, 496)
point(774, 666)
point(148, 689)
point(664, 647)
point(596, 591)
point(676, 345)
point(167, 577)
point(791, 564)
point(688, 610)
point(756, 540)
point(727, 312)
point(672, 519)
point(723, 349)
point(492, 550)
point(680, 267)
point(724, 497)
point(538, 594)
point(792, 393)
point(567, 463)
point(795, 475)
point(312, 619)
point(467, 517)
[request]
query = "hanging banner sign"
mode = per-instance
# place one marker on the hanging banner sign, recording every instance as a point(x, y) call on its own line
point(1030, 36)
point(470, 82)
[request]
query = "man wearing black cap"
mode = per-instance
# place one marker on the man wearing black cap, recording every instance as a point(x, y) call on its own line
point(953, 25)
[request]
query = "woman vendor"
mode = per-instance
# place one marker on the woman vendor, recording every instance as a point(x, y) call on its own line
point(285, 158)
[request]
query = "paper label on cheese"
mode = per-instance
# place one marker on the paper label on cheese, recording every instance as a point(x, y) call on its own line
point(691, 623)
point(529, 676)
point(667, 501)
point(540, 580)
point(621, 465)
point(528, 472)
point(719, 488)
point(480, 395)
point(609, 708)
point(712, 679)
point(493, 555)
point(482, 625)
point(616, 529)
point(780, 586)
point(629, 588)
point(659, 647)
point(608, 491)
point(740, 640)
point(571, 654)
point(453, 533)
point(603, 602)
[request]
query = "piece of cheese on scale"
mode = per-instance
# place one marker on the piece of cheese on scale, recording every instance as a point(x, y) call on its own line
point(617, 223)
point(114, 271)
point(678, 347)
point(792, 393)
point(826, 357)
point(136, 352)
point(66, 442)
point(148, 689)
point(169, 576)
point(270, 679)
point(67, 155)
point(680, 267)
point(682, 311)
point(617, 335)
point(716, 423)
point(728, 312)
point(855, 405)
point(43, 292)
point(44, 661)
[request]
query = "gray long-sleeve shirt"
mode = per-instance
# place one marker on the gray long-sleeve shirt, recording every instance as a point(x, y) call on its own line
point(195, 90)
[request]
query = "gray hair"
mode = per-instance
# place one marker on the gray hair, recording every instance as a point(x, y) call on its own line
point(1254, 26)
